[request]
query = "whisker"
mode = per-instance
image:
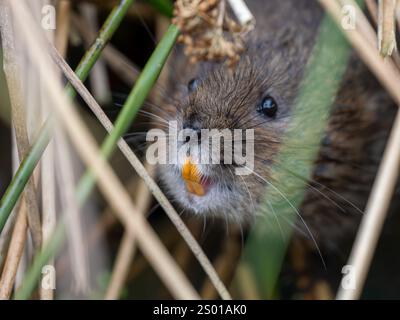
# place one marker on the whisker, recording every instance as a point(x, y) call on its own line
point(152, 116)
point(277, 220)
point(326, 187)
point(296, 211)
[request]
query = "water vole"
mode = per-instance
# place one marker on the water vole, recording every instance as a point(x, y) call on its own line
point(260, 95)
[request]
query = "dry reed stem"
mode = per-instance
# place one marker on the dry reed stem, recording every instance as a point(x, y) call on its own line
point(15, 251)
point(361, 21)
point(66, 179)
point(5, 236)
point(386, 27)
point(48, 205)
point(123, 261)
point(98, 77)
point(373, 10)
point(138, 166)
point(127, 247)
point(367, 29)
point(375, 213)
point(67, 184)
point(63, 26)
point(47, 163)
point(109, 184)
point(28, 121)
point(384, 70)
point(383, 188)
point(48, 159)
point(12, 74)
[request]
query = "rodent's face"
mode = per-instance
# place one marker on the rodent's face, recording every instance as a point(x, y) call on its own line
point(247, 99)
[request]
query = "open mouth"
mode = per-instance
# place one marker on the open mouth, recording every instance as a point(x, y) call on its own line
point(196, 183)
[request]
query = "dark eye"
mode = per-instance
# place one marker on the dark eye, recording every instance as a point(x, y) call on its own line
point(193, 84)
point(268, 106)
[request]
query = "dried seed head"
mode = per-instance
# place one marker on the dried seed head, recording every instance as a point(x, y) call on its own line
point(204, 38)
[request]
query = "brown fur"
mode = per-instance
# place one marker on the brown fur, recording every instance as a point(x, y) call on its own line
point(277, 52)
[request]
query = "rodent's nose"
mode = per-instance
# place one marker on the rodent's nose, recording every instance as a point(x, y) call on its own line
point(193, 128)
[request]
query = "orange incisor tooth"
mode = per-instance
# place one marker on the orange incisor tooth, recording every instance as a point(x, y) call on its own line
point(192, 177)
